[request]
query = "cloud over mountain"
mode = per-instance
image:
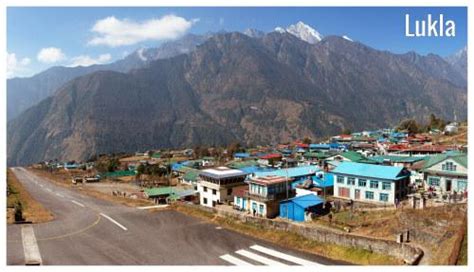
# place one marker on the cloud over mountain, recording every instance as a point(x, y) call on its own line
point(115, 32)
point(50, 55)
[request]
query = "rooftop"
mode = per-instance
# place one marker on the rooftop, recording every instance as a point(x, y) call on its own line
point(305, 201)
point(291, 172)
point(266, 180)
point(370, 170)
point(222, 172)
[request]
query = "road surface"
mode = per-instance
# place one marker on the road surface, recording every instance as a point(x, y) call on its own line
point(90, 231)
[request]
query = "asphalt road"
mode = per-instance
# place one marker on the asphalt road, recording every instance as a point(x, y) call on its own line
point(90, 231)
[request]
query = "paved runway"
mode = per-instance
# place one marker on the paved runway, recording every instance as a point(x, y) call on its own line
point(90, 231)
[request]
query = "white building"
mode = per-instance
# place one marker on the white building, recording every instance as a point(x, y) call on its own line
point(370, 182)
point(446, 172)
point(215, 185)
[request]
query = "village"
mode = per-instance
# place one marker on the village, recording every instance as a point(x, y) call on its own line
point(352, 183)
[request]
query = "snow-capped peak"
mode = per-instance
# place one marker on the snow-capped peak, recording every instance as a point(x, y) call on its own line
point(302, 31)
point(347, 38)
point(140, 54)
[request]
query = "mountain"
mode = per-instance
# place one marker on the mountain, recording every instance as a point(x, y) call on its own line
point(232, 87)
point(459, 62)
point(22, 93)
point(254, 33)
point(302, 31)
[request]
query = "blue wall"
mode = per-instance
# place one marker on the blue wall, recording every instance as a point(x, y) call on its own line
point(295, 212)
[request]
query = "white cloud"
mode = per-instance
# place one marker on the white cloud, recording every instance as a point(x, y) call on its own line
point(15, 66)
point(50, 55)
point(114, 32)
point(86, 60)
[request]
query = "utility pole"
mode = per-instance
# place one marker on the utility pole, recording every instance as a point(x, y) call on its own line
point(287, 204)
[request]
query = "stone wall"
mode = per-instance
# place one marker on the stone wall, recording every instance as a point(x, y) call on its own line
point(406, 252)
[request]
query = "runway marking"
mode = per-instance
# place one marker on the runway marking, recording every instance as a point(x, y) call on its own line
point(152, 207)
point(113, 221)
point(283, 256)
point(49, 190)
point(78, 203)
point(72, 233)
point(233, 260)
point(258, 258)
point(30, 246)
point(218, 228)
point(60, 195)
point(41, 185)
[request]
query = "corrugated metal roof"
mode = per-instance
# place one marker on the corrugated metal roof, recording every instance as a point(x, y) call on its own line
point(291, 172)
point(370, 170)
point(305, 201)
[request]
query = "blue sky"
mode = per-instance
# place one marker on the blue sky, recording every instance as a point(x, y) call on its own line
point(67, 36)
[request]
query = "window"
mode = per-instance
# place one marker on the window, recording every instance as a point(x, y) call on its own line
point(229, 191)
point(351, 181)
point(374, 184)
point(432, 181)
point(448, 166)
point(261, 209)
point(362, 182)
point(204, 189)
point(386, 185)
point(383, 197)
point(237, 200)
point(204, 200)
point(340, 179)
point(369, 195)
point(214, 191)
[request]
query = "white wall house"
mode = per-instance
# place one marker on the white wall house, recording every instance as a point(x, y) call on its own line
point(370, 183)
point(446, 173)
point(215, 185)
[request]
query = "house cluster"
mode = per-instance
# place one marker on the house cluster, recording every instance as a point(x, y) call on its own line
point(294, 180)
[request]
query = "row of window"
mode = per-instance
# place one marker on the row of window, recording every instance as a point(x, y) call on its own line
point(448, 166)
point(370, 195)
point(374, 184)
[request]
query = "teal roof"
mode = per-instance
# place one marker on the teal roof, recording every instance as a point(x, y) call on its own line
point(292, 172)
point(401, 159)
point(355, 157)
point(458, 157)
point(370, 170)
point(158, 191)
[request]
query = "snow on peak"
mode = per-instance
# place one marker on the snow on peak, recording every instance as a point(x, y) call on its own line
point(302, 31)
point(347, 38)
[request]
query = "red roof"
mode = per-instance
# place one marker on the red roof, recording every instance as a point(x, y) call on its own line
point(271, 156)
point(301, 145)
point(430, 148)
point(397, 147)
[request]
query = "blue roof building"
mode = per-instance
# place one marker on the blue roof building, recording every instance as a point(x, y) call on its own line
point(370, 182)
point(241, 155)
point(297, 208)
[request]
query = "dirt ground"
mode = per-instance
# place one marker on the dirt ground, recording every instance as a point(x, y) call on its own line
point(436, 230)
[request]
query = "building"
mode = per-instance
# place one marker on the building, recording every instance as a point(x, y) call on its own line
point(215, 185)
point(241, 198)
point(446, 172)
point(370, 183)
point(350, 156)
point(297, 174)
point(300, 208)
point(265, 194)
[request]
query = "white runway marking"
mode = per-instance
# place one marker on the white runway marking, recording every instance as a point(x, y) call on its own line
point(60, 195)
point(78, 203)
point(283, 256)
point(113, 221)
point(218, 228)
point(233, 260)
point(30, 246)
point(49, 190)
point(41, 185)
point(258, 258)
point(152, 207)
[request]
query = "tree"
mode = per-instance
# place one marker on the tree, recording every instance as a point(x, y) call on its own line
point(307, 140)
point(233, 148)
point(409, 125)
point(346, 131)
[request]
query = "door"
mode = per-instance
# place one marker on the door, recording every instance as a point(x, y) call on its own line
point(244, 203)
point(448, 185)
point(357, 194)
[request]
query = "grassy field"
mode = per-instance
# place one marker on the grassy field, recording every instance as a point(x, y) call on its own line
point(32, 210)
point(294, 240)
